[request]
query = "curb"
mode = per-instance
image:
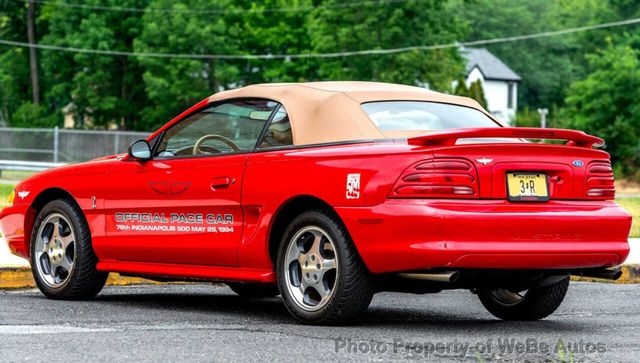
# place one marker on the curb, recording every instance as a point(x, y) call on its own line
point(630, 275)
point(16, 278)
point(21, 278)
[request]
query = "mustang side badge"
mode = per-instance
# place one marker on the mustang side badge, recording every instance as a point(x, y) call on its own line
point(23, 194)
point(353, 186)
point(484, 161)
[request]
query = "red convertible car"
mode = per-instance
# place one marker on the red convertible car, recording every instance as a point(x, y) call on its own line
point(326, 193)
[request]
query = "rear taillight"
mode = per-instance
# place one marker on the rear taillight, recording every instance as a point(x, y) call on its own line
point(599, 181)
point(438, 178)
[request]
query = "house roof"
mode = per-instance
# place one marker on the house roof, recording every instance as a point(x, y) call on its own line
point(331, 111)
point(490, 66)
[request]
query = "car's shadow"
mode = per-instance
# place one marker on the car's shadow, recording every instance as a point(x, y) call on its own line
point(449, 321)
point(224, 303)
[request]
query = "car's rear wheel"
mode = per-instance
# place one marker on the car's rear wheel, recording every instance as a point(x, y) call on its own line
point(532, 304)
point(321, 278)
point(253, 290)
point(63, 262)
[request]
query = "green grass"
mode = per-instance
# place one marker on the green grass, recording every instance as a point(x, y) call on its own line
point(5, 190)
point(15, 175)
point(633, 206)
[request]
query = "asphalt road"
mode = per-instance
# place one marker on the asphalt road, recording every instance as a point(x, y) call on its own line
point(209, 323)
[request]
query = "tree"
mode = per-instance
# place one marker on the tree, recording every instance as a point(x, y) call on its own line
point(143, 92)
point(174, 84)
point(266, 32)
point(383, 25)
point(547, 65)
point(527, 117)
point(33, 54)
point(105, 90)
point(461, 88)
point(477, 93)
point(605, 103)
point(474, 91)
point(14, 62)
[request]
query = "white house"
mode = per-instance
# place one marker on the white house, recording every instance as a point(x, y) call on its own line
point(499, 82)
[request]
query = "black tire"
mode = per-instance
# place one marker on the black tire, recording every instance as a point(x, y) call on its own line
point(254, 290)
point(84, 281)
point(537, 303)
point(353, 288)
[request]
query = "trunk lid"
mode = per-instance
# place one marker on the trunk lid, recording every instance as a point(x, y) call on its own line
point(572, 171)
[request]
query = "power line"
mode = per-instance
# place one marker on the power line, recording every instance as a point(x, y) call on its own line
point(324, 55)
point(213, 11)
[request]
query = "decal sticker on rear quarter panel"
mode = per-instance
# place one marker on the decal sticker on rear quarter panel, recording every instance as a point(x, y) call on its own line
point(353, 186)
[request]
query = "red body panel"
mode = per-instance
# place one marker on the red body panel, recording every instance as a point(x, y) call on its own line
point(419, 234)
point(182, 187)
point(451, 136)
point(12, 220)
point(244, 193)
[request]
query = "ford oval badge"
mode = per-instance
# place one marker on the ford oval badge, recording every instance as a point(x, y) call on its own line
point(578, 163)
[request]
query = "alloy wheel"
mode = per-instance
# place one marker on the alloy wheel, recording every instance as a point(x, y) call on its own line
point(55, 250)
point(311, 268)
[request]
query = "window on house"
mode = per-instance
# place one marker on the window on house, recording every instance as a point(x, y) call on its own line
point(510, 96)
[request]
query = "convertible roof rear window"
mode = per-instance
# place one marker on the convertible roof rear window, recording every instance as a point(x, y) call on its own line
point(424, 116)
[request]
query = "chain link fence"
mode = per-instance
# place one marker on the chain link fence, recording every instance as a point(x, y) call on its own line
point(62, 145)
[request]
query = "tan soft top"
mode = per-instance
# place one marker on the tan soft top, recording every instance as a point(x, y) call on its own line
point(322, 112)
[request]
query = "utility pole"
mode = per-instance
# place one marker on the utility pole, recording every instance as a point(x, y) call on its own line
point(33, 55)
point(543, 117)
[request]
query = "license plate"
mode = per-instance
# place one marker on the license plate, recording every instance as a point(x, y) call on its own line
point(527, 187)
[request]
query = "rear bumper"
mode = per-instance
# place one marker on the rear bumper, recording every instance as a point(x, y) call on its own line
point(12, 229)
point(401, 235)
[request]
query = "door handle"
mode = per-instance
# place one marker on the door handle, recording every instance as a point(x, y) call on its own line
point(221, 182)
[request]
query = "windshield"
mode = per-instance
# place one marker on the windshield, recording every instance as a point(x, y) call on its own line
point(424, 116)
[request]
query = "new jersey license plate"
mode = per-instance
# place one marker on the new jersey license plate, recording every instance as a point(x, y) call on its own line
point(527, 187)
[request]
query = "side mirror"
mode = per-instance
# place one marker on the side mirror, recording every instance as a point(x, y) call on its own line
point(140, 150)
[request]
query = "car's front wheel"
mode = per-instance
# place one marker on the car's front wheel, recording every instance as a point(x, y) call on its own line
point(321, 278)
point(63, 262)
point(532, 304)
